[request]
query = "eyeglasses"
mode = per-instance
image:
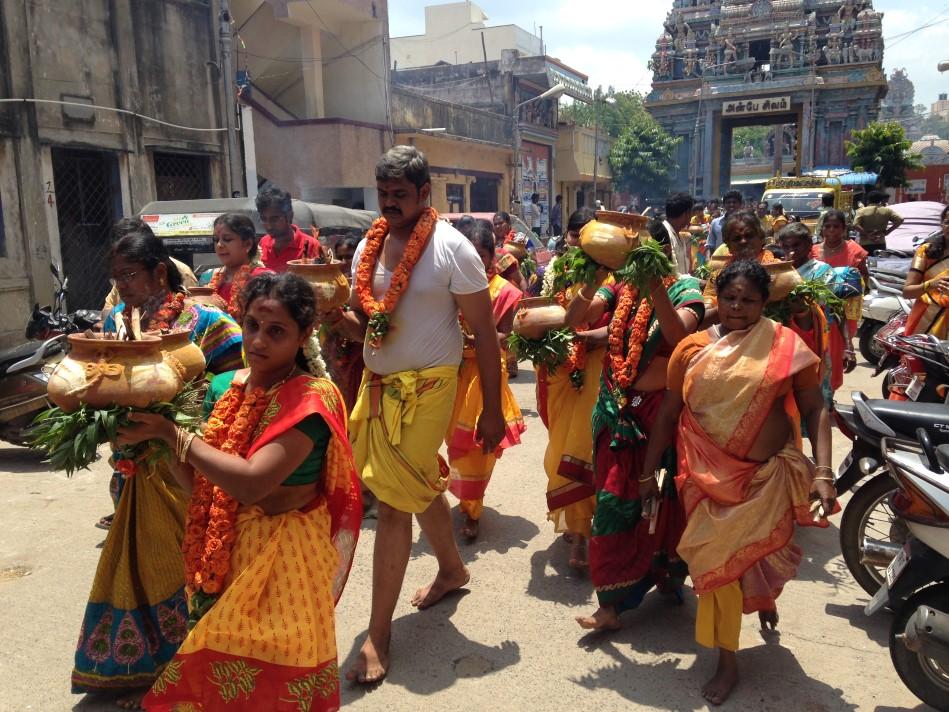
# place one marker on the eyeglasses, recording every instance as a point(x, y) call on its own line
point(124, 278)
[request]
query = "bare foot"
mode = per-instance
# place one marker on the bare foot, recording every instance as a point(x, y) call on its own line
point(605, 618)
point(469, 532)
point(768, 618)
point(131, 701)
point(443, 584)
point(578, 552)
point(372, 663)
point(717, 690)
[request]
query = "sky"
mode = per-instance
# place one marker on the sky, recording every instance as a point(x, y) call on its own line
point(611, 40)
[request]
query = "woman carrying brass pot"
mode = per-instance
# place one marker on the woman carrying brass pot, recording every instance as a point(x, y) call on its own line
point(135, 617)
point(631, 553)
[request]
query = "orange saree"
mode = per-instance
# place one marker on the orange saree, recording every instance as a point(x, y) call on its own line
point(741, 513)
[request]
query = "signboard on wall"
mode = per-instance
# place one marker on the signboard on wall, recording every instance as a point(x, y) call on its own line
point(535, 178)
point(181, 224)
point(745, 107)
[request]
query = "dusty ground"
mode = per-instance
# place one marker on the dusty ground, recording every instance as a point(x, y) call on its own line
point(508, 643)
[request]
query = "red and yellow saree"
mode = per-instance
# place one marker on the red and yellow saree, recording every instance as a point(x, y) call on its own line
point(269, 641)
point(470, 468)
point(741, 512)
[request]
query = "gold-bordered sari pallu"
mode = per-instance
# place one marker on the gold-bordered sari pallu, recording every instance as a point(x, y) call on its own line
point(741, 513)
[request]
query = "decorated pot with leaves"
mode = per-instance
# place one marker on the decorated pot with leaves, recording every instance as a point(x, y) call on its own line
point(516, 249)
point(102, 372)
point(538, 315)
point(178, 345)
point(610, 237)
point(784, 278)
point(328, 281)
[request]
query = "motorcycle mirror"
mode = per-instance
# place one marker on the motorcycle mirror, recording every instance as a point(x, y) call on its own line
point(930, 451)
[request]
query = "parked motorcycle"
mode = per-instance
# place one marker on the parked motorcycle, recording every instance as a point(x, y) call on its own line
point(869, 533)
point(884, 301)
point(25, 369)
point(916, 583)
point(917, 367)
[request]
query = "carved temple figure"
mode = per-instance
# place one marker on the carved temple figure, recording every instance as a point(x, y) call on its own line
point(847, 14)
point(783, 53)
point(708, 64)
point(691, 62)
point(833, 50)
point(730, 53)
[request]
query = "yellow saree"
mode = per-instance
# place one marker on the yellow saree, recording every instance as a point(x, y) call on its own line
point(928, 315)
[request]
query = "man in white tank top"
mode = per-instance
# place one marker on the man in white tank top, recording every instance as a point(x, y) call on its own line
point(413, 349)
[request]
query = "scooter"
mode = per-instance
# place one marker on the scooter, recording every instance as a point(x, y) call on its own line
point(25, 369)
point(916, 584)
point(917, 368)
point(869, 533)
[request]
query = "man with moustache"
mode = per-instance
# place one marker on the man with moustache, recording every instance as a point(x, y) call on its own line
point(408, 389)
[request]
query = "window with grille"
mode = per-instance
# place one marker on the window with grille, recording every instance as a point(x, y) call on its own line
point(181, 176)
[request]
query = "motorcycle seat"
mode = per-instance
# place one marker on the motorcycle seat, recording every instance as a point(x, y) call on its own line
point(8, 357)
point(905, 416)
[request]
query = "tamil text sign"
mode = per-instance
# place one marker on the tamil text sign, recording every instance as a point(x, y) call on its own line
point(746, 107)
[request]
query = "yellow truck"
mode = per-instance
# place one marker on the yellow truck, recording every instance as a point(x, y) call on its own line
point(803, 197)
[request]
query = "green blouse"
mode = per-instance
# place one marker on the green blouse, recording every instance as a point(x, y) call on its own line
point(313, 426)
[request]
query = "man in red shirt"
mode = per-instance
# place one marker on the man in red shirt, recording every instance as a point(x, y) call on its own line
point(284, 241)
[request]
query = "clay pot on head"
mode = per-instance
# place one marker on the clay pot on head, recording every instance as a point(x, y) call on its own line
point(538, 315)
point(328, 281)
point(179, 345)
point(105, 372)
point(611, 236)
point(784, 278)
point(516, 249)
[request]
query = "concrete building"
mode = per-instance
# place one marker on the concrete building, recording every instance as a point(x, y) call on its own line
point(941, 108)
point(109, 105)
point(931, 182)
point(314, 99)
point(574, 168)
point(453, 34)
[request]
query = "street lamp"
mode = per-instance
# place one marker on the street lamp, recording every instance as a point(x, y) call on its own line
point(555, 91)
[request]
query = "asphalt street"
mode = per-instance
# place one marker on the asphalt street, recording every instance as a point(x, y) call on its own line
point(508, 642)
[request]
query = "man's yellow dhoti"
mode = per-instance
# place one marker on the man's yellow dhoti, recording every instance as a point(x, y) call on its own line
point(396, 428)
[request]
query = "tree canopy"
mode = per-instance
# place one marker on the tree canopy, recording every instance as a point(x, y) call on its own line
point(883, 149)
point(643, 154)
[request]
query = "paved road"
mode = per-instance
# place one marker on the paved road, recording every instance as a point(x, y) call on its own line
point(509, 643)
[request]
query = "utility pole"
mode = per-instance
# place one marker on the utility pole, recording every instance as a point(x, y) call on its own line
point(596, 141)
point(227, 71)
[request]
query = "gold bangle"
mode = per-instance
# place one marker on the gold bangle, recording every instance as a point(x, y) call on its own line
point(823, 479)
point(824, 467)
point(645, 479)
point(185, 446)
point(584, 297)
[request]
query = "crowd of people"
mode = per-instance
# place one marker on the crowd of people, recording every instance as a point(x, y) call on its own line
point(674, 437)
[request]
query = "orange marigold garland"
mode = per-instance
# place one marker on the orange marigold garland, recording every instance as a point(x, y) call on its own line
point(577, 351)
point(167, 313)
point(235, 307)
point(625, 366)
point(380, 312)
point(209, 531)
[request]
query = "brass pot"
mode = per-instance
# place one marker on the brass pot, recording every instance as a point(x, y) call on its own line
point(537, 315)
point(516, 249)
point(328, 281)
point(611, 236)
point(104, 372)
point(179, 345)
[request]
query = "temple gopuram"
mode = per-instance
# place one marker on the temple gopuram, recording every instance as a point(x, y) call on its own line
point(812, 69)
